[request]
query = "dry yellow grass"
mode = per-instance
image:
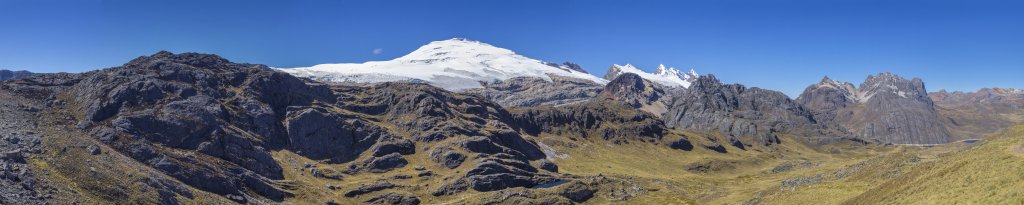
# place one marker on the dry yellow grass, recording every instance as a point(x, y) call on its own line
point(990, 173)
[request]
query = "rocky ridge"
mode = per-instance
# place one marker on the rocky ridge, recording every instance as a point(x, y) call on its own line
point(747, 116)
point(211, 125)
point(885, 108)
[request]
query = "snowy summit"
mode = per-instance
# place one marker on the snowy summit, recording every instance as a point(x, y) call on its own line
point(665, 76)
point(453, 64)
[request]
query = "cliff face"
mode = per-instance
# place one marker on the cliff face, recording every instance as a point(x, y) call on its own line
point(637, 92)
point(214, 125)
point(826, 98)
point(746, 115)
point(886, 108)
point(531, 92)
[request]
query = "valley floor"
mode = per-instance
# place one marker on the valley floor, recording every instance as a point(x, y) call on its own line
point(985, 172)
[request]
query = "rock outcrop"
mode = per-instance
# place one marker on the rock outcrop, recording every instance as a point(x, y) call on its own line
point(599, 119)
point(748, 116)
point(638, 93)
point(885, 108)
point(212, 124)
point(532, 92)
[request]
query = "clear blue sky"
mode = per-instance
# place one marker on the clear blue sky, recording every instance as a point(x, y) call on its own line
point(782, 44)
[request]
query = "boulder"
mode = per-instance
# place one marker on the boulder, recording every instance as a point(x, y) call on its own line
point(447, 157)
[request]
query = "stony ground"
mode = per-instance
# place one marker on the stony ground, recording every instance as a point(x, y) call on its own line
point(18, 141)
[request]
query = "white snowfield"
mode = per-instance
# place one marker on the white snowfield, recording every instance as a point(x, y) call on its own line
point(665, 76)
point(453, 64)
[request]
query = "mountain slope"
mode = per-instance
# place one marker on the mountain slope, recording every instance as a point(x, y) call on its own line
point(453, 64)
point(985, 174)
point(197, 128)
point(637, 92)
point(531, 92)
point(979, 113)
point(748, 116)
point(886, 108)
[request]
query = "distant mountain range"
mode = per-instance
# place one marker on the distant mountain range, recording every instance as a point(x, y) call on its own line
point(885, 108)
point(11, 75)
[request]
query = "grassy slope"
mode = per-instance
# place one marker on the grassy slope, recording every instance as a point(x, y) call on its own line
point(76, 176)
point(989, 173)
point(739, 177)
point(992, 173)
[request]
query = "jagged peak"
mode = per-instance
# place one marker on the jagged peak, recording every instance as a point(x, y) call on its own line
point(197, 60)
point(884, 75)
point(707, 78)
point(572, 66)
point(664, 75)
point(184, 57)
point(836, 84)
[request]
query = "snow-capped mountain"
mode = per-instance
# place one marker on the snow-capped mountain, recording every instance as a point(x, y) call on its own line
point(670, 76)
point(454, 64)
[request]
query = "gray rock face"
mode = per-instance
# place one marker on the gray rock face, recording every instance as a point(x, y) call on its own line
point(746, 115)
point(600, 118)
point(827, 97)
point(885, 108)
point(230, 112)
point(11, 75)
point(211, 124)
point(237, 113)
point(531, 92)
point(321, 135)
point(447, 157)
point(497, 174)
point(18, 142)
point(638, 93)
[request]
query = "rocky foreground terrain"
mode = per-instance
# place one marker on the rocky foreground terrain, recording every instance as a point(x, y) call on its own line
point(198, 129)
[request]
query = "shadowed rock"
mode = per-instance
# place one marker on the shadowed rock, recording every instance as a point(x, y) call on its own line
point(531, 91)
point(747, 116)
point(885, 108)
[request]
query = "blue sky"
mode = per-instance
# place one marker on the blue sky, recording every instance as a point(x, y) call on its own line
point(783, 45)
